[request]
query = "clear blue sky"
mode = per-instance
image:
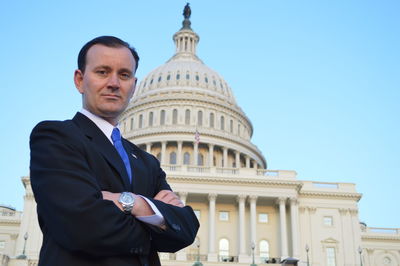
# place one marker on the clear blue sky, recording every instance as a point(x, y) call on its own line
point(318, 79)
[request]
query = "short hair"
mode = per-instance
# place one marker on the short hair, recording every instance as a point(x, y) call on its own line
point(109, 41)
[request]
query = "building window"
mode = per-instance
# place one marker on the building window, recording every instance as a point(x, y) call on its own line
point(162, 117)
point(197, 213)
point(172, 158)
point(186, 158)
point(222, 123)
point(200, 118)
point(187, 76)
point(197, 77)
point(264, 250)
point(223, 249)
point(212, 120)
point(187, 117)
point(168, 77)
point(224, 216)
point(2, 244)
point(330, 257)
point(132, 123)
point(178, 76)
point(140, 121)
point(200, 159)
point(231, 126)
point(150, 119)
point(328, 221)
point(263, 217)
point(238, 129)
point(175, 116)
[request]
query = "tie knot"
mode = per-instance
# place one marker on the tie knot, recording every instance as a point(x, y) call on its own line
point(115, 135)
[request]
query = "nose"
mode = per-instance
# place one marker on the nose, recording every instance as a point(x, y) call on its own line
point(113, 82)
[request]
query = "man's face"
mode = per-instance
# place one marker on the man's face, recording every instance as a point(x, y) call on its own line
point(108, 81)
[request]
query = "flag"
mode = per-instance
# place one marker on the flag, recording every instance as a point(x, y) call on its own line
point(197, 137)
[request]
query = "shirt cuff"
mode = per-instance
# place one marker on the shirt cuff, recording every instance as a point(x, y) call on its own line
point(157, 219)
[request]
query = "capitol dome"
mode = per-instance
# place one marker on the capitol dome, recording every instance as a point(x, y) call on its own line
point(184, 112)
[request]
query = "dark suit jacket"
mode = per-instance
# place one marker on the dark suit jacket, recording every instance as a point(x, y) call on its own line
point(71, 163)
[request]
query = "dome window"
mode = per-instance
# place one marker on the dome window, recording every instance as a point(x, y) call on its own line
point(206, 79)
point(151, 81)
point(187, 117)
point(178, 76)
point(162, 117)
point(212, 120)
point(159, 78)
point(168, 77)
point(175, 116)
point(187, 76)
point(197, 77)
point(215, 83)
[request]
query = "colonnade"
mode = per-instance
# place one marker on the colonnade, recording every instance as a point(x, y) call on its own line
point(248, 161)
point(243, 253)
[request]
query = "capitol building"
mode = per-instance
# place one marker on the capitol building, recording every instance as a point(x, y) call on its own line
point(185, 114)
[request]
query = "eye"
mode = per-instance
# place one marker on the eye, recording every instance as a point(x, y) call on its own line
point(125, 76)
point(101, 72)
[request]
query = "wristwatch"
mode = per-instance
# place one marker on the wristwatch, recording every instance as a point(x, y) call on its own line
point(127, 201)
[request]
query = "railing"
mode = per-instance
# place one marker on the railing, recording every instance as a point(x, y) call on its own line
point(195, 257)
point(388, 231)
point(198, 169)
point(232, 171)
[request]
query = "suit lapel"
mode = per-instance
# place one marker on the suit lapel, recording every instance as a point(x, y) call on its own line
point(103, 145)
point(139, 173)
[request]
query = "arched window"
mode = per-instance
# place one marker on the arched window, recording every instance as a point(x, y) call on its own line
point(231, 126)
point(172, 158)
point(132, 123)
point(200, 159)
point(223, 249)
point(162, 117)
point(200, 118)
point(187, 117)
point(238, 130)
point(150, 119)
point(175, 116)
point(264, 250)
point(186, 158)
point(140, 121)
point(212, 120)
point(222, 123)
point(159, 156)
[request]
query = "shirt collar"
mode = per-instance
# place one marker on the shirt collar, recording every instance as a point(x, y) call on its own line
point(102, 124)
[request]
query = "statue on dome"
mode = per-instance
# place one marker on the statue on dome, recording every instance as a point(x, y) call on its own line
point(187, 11)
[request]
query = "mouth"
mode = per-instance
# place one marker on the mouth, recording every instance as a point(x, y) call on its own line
point(111, 96)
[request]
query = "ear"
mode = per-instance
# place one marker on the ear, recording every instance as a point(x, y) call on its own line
point(78, 80)
point(133, 88)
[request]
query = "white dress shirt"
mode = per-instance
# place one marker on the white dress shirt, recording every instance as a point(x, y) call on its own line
point(157, 219)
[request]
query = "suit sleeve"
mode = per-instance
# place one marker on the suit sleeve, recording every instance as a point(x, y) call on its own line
point(70, 206)
point(181, 223)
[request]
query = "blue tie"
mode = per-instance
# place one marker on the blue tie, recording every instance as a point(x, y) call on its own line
point(116, 138)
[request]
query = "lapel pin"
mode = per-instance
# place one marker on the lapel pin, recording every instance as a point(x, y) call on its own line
point(134, 156)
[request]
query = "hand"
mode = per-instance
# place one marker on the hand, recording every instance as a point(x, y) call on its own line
point(140, 208)
point(169, 197)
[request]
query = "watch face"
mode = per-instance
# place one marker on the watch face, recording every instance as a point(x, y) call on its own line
point(126, 198)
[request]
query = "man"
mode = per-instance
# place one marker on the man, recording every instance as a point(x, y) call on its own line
point(100, 199)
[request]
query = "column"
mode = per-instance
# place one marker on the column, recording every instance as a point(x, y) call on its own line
point(294, 220)
point(181, 254)
point(148, 147)
point(253, 220)
point(247, 161)
point(183, 196)
point(163, 152)
point(179, 155)
point(212, 255)
point(195, 153)
point(225, 150)
point(282, 218)
point(237, 159)
point(211, 155)
point(242, 239)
